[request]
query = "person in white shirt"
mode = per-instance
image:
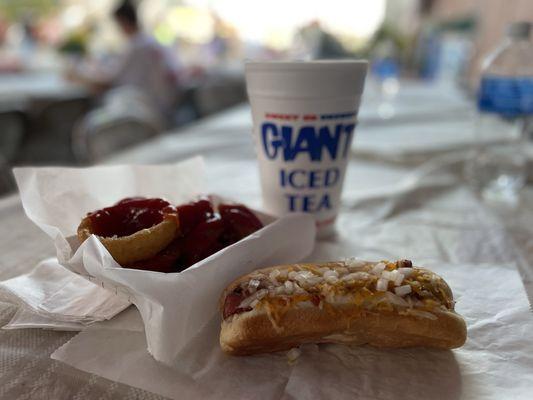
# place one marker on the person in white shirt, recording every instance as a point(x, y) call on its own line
point(146, 66)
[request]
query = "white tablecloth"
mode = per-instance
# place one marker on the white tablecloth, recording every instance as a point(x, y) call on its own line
point(432, 215)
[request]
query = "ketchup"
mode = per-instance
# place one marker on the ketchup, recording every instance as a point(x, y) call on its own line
point(240, 222)
point(128, 216)
point(194, 213)
point(203, 241)
point(203, 232)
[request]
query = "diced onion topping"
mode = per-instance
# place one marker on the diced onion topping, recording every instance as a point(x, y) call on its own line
point(396, 300)
point(293, 354)
point(274, 275)
point(331, 272)
point(393, 276)
point(314, 280)
point(398, 279)
point(378, 268)
point(355, 276)
point(298, 289)
point(402, 290)
point(342, 271)
point(375, 284)
point(253, 285)
point(247, 302)
point(304, 275)
point(407, 272)
point(382, 284)
point(389, 275)
point(261, 293)
point(354, 264)
point(289, 287)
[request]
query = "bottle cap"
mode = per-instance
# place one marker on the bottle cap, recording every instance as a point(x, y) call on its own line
point(519, 30)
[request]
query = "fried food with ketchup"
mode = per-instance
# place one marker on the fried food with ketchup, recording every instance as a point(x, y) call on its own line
point(134, 229)
point(150, 234)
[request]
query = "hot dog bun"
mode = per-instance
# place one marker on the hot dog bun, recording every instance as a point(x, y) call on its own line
point(343, 302)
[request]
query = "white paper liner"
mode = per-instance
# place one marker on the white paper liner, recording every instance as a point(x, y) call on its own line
point(53, 297)
point(495, 363)
point(174, 307)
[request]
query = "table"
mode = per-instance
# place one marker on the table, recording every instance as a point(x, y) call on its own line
point(41, 108)
point(17, 90)
point(26, 371)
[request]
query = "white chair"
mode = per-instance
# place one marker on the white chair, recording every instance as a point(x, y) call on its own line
point(124, 119)
point(101, 134)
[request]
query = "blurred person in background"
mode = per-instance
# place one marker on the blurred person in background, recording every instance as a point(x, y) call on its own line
point(146, 68)
point(313, 42)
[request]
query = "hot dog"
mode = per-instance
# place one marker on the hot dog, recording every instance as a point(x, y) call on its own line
point(383, 304)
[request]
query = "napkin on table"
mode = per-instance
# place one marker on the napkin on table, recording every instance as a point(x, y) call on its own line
point(51, 296)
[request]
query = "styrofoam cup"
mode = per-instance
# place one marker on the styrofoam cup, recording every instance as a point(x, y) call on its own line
point(304, 116)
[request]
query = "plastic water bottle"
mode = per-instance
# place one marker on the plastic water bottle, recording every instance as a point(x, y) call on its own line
point(505, 105)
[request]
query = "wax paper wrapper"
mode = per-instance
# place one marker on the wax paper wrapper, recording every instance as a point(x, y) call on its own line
point(52, 297)
point(25, 318)
point(495, 363)
point(174, 307)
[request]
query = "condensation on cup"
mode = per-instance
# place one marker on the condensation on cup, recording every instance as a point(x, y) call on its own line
point(304, 116)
